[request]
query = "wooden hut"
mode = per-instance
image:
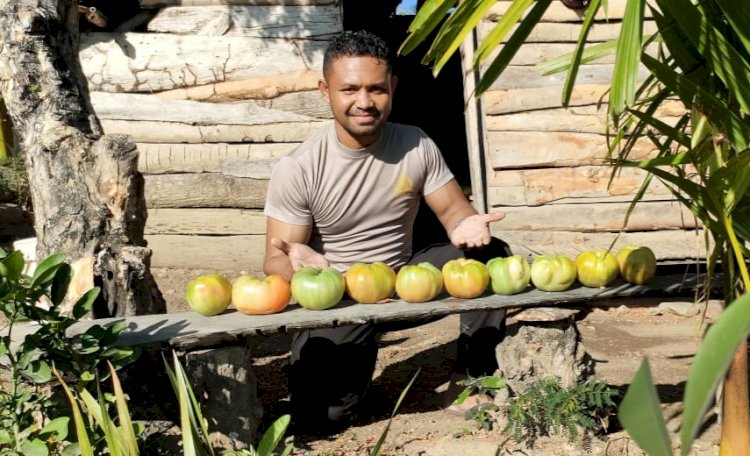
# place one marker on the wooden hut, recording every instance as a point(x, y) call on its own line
point(214, 91)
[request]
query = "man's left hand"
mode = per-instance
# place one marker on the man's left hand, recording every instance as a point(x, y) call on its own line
point(473, 231)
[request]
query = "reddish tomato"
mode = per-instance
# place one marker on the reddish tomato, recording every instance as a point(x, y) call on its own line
point(637, 263)
point(254, 296)
point(465, 278)
point(553, 272)
point(370, 283)
point(596, 268)
point(209, 294)
point(419, 282)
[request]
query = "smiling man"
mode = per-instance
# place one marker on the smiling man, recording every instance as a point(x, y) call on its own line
point(349, 194)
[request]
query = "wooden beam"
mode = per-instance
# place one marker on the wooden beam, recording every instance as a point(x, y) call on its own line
point(205, 221)
point(157, 158)
point(204, 190)
point(220, 253)
point(528, 99)
point(556, 32)
point(524, 77)
point(558, 12)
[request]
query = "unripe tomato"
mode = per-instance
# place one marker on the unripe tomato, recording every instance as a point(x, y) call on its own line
point(509, 275)
point(637, 263)
point(465, 278)
point(209, 294)
point(254, 296)
point(553, 272)
point(596, 268)
point(419, 283)
point(370, 283)
point(317, 289)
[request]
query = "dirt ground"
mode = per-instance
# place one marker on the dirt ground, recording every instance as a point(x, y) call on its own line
point(617, 338)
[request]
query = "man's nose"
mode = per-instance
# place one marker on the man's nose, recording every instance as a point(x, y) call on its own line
point(364, 100)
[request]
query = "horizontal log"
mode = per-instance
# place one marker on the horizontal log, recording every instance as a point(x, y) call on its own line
point(554, 32)
point(528, 99)
point(205, 221)
point(152, 62)
point(203, 158)
point(220, 253)
point(521, 149)
point(263, 87)
point(536, 53)
point(161, 3)
point(558, 12)
point(597, 217)
point(310, 104)
point(171, 132)
point(534, 187)
point(204, 190)
point(524, 77)
point(140, 107)
point(668, 245)
point(266, 21)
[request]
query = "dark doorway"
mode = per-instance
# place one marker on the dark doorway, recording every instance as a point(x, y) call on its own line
point(436, 105)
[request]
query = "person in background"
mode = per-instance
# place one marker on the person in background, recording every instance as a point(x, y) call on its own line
point(349, 194)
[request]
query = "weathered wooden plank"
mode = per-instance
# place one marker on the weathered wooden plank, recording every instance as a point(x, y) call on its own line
point(206, 221)
point(151, 62)
point(668, 245)
point(309, 103)
point(558, 12)
point(171, 132)
point(533, 187)
point(161, 3)
point(520, 149)
point(535, 53)
point(263, 87)
point(262, 21)
point(204, 190)
point(220, 253)
point(556, 32)
point(203, 158)
point(528, 99)
point(597, 217)
point(140, 107)
point(524, 77)
point(189, 330)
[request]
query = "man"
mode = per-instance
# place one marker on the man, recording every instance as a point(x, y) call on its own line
point(350, 194)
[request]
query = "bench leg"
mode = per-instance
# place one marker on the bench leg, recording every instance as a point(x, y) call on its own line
point(534, 350)
point(226, 387)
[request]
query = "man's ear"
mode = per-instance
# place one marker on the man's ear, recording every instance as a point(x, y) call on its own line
point(323, 87)
point(394, 82)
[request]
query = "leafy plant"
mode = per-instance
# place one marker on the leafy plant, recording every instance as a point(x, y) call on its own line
point(484, 413)
point(379, 445)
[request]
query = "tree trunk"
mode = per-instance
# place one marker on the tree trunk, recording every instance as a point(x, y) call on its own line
point(86, 191)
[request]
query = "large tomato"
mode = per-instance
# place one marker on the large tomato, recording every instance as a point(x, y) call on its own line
point(370, 283)
point(209, 294)
point(419, 282)
point(596, 268)
point(553, 272)
point(254, 296)
point(465, 278)
point(637, 263)
point(318, 289)
point(509, 275)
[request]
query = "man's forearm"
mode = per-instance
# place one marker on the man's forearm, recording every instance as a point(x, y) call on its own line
point(280, 265)
point(456, 216)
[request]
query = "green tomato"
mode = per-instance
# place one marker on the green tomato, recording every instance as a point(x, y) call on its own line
point(419, 282)
point(318, 289)
point(637, 263)
point(509, 275)
point(465, 278)
point(553, 272)
point(596, 268)
point(209, 294)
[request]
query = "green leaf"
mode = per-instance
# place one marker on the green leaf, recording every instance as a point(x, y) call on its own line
point(640, 414)
point(46, 270)
point(493, 382)
point(570, 78)
point(625, 72)
point(34, 447)
point(273, 436)
point(736, 14)
point(590, 54)
point(85, 303)
point(12, 265)
point(84, 443)
point(37, 371)
point(123, 414)
point(56, 428)
point(711, 363)
point(60, 284)
point(501, 30)
point(376, 449)
point(429, 16)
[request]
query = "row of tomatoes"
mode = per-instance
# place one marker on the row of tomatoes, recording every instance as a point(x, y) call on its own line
point(369, 283)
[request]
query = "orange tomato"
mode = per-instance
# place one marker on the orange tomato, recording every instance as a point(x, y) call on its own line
point(465, 278)
point(254, 296)
point(370, 283)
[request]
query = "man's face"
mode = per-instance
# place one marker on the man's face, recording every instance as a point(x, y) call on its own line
point(360, 92)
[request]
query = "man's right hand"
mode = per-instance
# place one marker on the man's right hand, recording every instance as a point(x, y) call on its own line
point(300, 255)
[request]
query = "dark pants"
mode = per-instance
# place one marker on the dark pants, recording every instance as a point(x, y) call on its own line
point(331, 368)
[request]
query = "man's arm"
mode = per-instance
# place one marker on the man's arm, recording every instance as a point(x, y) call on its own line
point(465, 227)
point(287, 249)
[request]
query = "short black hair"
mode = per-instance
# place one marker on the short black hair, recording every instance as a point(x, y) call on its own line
point(356, 44)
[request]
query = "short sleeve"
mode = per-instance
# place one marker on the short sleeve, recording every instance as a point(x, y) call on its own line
point(437, 173)
point(287, 195)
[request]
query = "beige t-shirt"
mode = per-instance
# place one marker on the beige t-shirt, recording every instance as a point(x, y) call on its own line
point(361, 204)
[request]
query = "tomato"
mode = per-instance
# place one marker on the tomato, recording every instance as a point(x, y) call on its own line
point(637, 263)
point(254, 296)
point(419, 282)
point(596, 268)
point(553, 272)
point(465, 278)
point(509, 275)
point(209, 294)
point(317, 289)
point(370, 283)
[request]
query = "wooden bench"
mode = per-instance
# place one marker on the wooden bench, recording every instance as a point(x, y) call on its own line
point(217, 350)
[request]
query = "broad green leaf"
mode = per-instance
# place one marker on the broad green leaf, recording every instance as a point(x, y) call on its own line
point(429, 16)
point(12, 265)
point(34, 447)
point(56, 428)
point(625, 72)
point(123, 414)
point(493, 382)
point(37, 371)
point(60, 284)
point(506, 54)
point(376, 449)
point(640, 414)
point(47, 269)
point(273, 436)
point(711, 363)
point(501, 30)
point(85, 303)
point(570, 78)
point(84, 444)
